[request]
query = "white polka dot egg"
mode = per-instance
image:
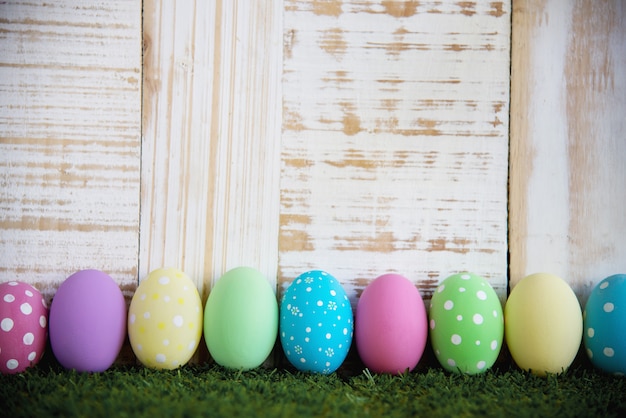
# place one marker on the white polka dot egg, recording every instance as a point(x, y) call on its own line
point(316, 323)
point(165, 319)
point(604, 318)
point(23, 326)
point(466, 324)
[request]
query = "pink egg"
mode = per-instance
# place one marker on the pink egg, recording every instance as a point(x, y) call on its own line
point(87, 321)
point(23, 326)
point(390, 325)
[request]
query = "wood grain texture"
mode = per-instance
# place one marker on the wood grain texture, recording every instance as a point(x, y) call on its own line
point(70, 110)
point(211, 139)
point(567, 140)
point(395, 141)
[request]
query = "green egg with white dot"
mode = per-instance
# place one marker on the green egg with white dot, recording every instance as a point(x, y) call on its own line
point(466, 324)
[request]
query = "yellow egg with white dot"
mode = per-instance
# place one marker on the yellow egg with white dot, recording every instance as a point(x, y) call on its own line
point(165, 319)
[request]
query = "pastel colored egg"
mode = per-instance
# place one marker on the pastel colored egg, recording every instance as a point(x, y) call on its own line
point(23, 326)
point(604, 322)
point(241, 319)
point(543, 324)
point(390, 325)
point(466, 324)
point(316, 323)
point(165, 319)
point(87, 321)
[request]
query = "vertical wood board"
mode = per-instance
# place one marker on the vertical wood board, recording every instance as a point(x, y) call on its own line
point(568, 110)
point(70, 106)
point(395, 141)
point(211, 140)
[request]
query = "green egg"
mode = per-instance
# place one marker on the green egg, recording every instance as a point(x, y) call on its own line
point(241, 319)
point(466, 324)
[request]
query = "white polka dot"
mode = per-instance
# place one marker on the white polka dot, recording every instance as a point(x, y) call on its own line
point(6, 324)
point(448, 305)
point(608, 351)
point(320, 303)
point(291, 338)
point(26, 308)
point(298, 281)
point(43, 303)
point(178, 321)
point(328, 336)
point(166, 298)
point(432, 324)
point(307, 339)
point(12, 364)
point(333, 293)
point(307, 329)
point(459, 317)
point(9, 298)
point(591, 332)
point(139, 347)
point(461, 289)
point(32, 356)
point(328, 364)
point(28, 293)
point(132, 318)
point(478, 319)
point(160, 358)
point(43, 321)
point(477, 342)
point(481, 295)
point(164, 280)
point(608, 307)
point(345, 331)
point(192, 345)
point(302, 360)
point(451, 362)
point(441, 288)
point(466, 277)
point(146, 315)
point(481, 365)
point(604, 285)
point(495, 313)
point(143, 296)
point(28, 338)
point(13, 283)
point(494, 344)
point(308, 289)
point(590, 353)
point(456, 339)
point(166, 342)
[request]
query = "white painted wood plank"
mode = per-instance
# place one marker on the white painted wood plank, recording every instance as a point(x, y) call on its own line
point(70, 109)
point(211, 146)
point(395, 141)
point(567, 141)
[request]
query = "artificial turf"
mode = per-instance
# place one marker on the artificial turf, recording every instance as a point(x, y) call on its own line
point(210, 390)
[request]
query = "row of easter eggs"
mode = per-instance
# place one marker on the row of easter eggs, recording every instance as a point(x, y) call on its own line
point(88, 323)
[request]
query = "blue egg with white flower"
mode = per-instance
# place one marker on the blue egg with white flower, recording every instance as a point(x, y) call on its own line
point(316, 323)
point(604, 317)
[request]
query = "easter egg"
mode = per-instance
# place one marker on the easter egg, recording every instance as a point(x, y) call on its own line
point(241, 319)
point(390, 325)
point(87, 321)
point(165, 319)
point(23, 326)
point(604, 331)
point(543, 324)
point(466, 324)
point(316, 323)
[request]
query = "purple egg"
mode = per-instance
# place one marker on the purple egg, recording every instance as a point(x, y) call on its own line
point(87, 323)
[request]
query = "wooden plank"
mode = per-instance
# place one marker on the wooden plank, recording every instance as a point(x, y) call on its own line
point(70, 110)
point(395, 140)
point(211, 151)
point(567, 140)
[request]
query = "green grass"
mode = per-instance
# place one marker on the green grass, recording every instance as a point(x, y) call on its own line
point(135, 391)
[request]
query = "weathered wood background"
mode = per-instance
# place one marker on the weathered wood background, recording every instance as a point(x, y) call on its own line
point(568, 141)
point(359, 137)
